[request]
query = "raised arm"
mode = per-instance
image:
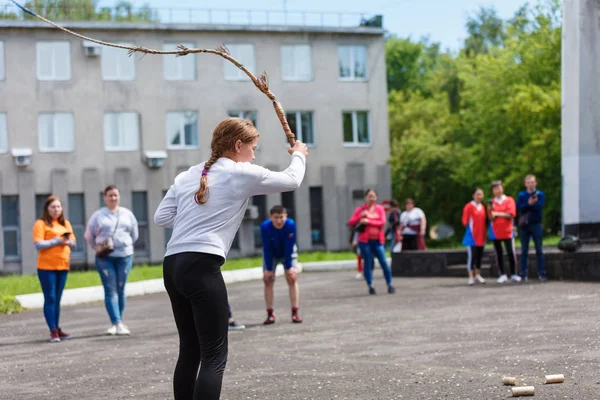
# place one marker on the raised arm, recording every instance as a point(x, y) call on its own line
point(263, 181)
point(38, 237)
point(378, 222)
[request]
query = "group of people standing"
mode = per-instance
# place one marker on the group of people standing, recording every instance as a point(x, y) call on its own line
point(499, 213)
point(111, 232)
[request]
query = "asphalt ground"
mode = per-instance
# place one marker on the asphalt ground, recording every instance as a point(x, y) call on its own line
point(436, 338)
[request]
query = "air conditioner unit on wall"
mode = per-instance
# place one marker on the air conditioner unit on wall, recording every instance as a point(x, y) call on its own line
point(91, 49)
point(22, 156)
point(155, 159)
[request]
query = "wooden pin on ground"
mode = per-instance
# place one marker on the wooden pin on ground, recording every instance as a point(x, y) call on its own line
point(560, 378)
point(523, 391)
point(511, 381)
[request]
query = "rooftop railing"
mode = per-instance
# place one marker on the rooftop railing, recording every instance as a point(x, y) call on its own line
point(209, 16)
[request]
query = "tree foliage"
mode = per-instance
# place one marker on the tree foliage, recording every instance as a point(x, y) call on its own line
point(490, 111)
point(85, 10)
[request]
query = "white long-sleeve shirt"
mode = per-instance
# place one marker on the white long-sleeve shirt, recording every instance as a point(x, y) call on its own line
point(211, 227)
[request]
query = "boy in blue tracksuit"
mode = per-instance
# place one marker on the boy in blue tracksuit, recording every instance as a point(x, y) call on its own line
point(279, 246)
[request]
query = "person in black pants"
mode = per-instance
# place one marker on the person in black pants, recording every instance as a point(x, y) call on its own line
point(204, 223)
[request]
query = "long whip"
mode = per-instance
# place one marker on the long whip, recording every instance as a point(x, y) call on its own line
point(262, 82)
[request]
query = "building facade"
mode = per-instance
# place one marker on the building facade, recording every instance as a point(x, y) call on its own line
point(75, 117)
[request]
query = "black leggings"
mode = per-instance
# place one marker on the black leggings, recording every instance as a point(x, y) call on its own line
point(508, 245)
point(199, 301)
point(475, 255)
point(409, 242)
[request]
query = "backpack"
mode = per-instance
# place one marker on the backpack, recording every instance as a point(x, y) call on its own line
point(569, 243)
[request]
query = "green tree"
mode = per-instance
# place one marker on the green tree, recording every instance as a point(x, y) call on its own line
point(87, 10)
point(492, 112)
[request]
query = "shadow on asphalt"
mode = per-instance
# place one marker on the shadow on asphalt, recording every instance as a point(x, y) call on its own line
point(74, 338)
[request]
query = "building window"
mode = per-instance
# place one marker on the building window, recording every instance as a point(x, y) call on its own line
point(296, 63)
point(356, 128)
point(39, 204)
point(56, 132)
point(10, 228)
point(117, 65)
point(53, 61)
point(288, 200)
point(2, 67)
point(177, 68)
point(250, 115)
point(121, 131)
point(3, 133)
point(353, 62)
point(301, 124)
point(102, 203)
point(76, 216)
point(261, 203)
point(244, 53)
point(182, 130)
point(140, 210)
point(316, 215)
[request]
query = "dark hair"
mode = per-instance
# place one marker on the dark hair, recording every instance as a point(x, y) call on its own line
point(278, 210)
point(46, 215)
point(394, 203)
point(409, 200)
point(109, 188)
point(369, 191)
point(496, 184)
point(225, 136)
point(477, 189)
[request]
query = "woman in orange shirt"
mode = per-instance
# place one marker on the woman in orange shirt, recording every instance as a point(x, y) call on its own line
point(53, 238)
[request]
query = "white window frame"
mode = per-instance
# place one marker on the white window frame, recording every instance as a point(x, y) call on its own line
point(3, 133)
point(182, 146)
point(55, 131)
point(295, 77)
point(240, 114)
point(239, 74)
point(355, 142)
point(352, 76)
point(179, 62)
point(134, 147)
point(299, 135)
point(118, 77)
point(54, 76)
point(2, 58)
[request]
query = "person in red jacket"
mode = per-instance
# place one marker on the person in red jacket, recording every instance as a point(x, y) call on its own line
point(501, 212)
point(369, 221)
point(474, 218)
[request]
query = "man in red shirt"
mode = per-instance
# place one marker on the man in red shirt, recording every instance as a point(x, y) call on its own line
point(501, 212)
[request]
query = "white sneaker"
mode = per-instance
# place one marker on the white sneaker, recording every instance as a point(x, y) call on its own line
point(503, 278)
point(122, 329)
point(479, 279)
point(471, 281)
point(112, 330)
point(515, 278)
point(358, 276)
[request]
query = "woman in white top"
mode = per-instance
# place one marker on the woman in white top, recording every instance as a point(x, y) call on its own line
point(413, 224)
point(205, 219)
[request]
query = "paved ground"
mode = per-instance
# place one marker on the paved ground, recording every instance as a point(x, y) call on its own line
point(434, 339)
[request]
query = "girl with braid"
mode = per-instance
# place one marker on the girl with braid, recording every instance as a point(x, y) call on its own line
point(205, 219)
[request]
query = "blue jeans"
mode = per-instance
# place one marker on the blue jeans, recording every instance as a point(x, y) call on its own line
point(113, 273)
point(527, 233)
point(374, 248)
point(53, 283)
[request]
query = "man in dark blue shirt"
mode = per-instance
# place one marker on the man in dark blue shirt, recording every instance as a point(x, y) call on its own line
point(530, 203)
point(279, 246)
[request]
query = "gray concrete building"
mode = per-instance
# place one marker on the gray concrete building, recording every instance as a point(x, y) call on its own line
point(581, 119)
point(75, 117)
